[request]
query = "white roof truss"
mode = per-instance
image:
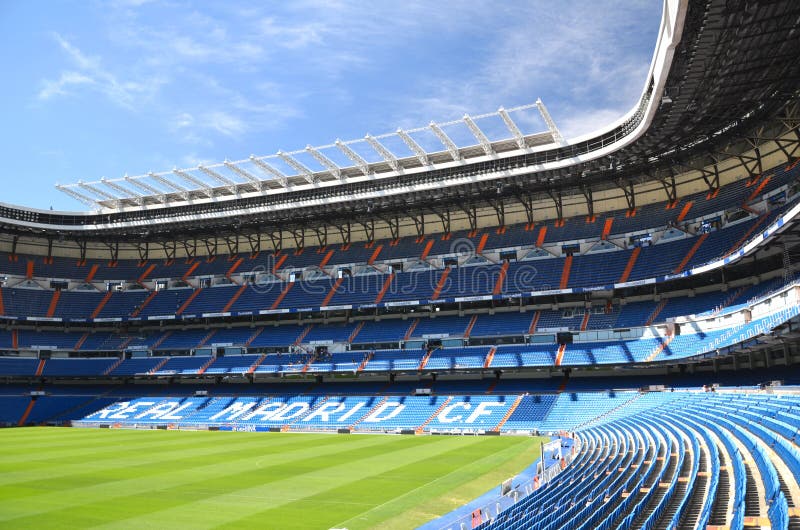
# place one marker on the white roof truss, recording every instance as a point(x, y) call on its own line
point(297, 166)
point(512, 127)
point(262, 176)
point(352, 155)
point(385, 153)
point(417, 149)
point(452, 148)
point(140, 183)
point(551, 125)
point(169, 184)
point(478, 134)
point(269, 170)
point(132, 194)
point(326, 162)
point(244, 174)
point(201, 184)
point(97, 191)
point(70, 190)
point(225, 181)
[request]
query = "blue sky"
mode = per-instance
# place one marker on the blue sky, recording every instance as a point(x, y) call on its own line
point(101, 89)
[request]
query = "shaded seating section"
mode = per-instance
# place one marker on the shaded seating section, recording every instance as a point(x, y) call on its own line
point(332, 333)
point(457, 358)
point(232, 364)
point(183, 339)
point(276, 336)
point(502, 324)
point(387, 330)
point(18, 365)
point(135, 366)
point(511, 356)
point(182, 365)
point(395, 360)
point(454, 326)
point(77, 367)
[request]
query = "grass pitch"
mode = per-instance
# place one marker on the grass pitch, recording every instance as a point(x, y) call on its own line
point(79, 478)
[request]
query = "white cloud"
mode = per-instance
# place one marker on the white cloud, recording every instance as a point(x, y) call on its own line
point(90, 73)
point(220, 121)
point(578, 61)
point(225, 123)
point(60, 86)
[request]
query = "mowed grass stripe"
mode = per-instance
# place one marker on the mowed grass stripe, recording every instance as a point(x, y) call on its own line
point(479, 478)
point(27, 445)
point(392, 492)
point(191, 453)
point(153, 479)
point(89, 447)
point(472, 465)
point(324, 475)
point(166, 477)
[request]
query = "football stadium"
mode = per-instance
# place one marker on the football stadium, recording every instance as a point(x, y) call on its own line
point(522, 332)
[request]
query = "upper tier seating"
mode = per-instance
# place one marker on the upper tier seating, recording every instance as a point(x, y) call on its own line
point(589, 270)
point(646, 217)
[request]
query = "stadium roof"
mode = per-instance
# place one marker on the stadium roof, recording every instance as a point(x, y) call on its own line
point(261, 175)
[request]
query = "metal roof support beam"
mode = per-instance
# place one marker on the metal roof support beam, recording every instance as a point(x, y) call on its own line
point(85, 199)
point(266, 168)
point(322, 235)
point(417, 149)
point(385, 153)
point(419, 224)
point(254, 241)
point(211, 246)
point(169, 184)
point(143, 250)
point(548, 120)
point(512, 127)
point(201, 184)
point(277, 244)
point(345, 233)
point(140, 183)
point(444, 217)
point(479, 135)
point(98, 192)
point(326, 162)
point(113, 250)
point(589, 196)
point(369, 229)
point(299, 238)
point(630, 193)
point(394, 225)
point(127, 194)
point(352, 155)
point(472, 216)
point(244, 174)
point(499, 208)
point(527, 203)
point(669, 187)
point(170, 249)
point(233, 245)
point(302, 170)
point(558, 203)
point(452, 148)
point(219, 178)
point(82, 248)
point(190, 248)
